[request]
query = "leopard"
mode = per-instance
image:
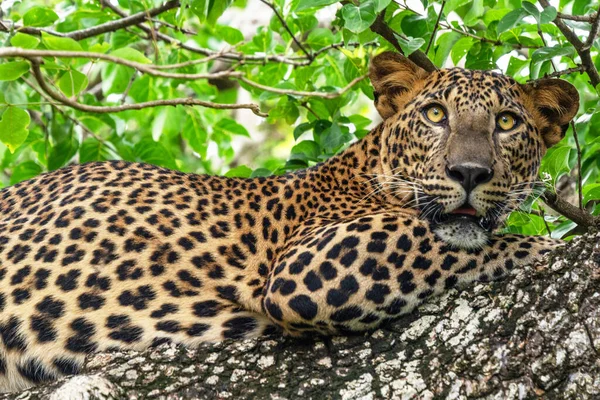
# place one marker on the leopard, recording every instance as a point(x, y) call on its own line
point(124, 255)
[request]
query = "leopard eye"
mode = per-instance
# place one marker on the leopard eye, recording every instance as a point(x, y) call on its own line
point(506, 121)
point(435, 113)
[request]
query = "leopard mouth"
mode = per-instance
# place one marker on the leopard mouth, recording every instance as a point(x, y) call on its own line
point(464, 215)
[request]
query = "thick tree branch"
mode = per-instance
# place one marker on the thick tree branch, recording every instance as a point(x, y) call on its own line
point(382, 29)
point(563, 207)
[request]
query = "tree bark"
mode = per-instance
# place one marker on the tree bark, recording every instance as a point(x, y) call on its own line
point(534, 334)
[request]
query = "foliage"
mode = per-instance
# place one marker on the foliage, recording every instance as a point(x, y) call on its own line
point(306, 73)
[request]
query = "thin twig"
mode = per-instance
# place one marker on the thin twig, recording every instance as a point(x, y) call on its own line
point(37, 73)
point(580, 18)
point(435, 28)
point(579, 172)
point(557, 74)
point(287, 28)
point(586, 58)
point(593, 34)
point(323, 95)
point(145, 68)
point(61, 111)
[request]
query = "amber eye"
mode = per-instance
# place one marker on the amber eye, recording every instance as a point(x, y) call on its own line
point(506, 121)
point(435, 113)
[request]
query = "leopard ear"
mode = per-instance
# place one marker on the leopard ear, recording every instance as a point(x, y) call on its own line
point(392, 76)
point(556, 102)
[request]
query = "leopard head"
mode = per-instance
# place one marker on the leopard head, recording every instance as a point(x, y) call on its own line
point(464, 147)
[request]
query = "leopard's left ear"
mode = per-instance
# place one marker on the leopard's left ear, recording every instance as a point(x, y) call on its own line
point(556, 102)
point(392, 76)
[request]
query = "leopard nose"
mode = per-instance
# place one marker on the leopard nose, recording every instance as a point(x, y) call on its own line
point(468, 175)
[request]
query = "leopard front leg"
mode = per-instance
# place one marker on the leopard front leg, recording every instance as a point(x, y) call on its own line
point(353, 275)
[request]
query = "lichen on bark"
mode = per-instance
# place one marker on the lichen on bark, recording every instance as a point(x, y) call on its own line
point(533, 334)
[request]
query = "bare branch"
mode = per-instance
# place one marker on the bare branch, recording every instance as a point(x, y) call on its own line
point(323, 95)
point(145, 68)
point(558, 74)
point(124, 22)
point(580, 18)
point(61, 111)
point(110, 26)
point(435, 28)
point(37, 73)
point(382, 29)
point(580, 217)
point(593, 34)
point(584, 54)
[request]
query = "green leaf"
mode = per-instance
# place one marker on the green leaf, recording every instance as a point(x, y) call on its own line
point(23, 171)
point(410, 45)
point(13, 127)
point(446, 44)
point(39, 16)
point(216, 8)
point(548, 15)
point(230, 127)
point(99, 47)
point(358, 19)
point(24, 41)
point(60, 43)
point(152, 152)
point(130, 54)
point(72, 82)
point(319, 38)
point(300, 129)
point(332, 138)
point(452, 5)
point(306, 4)
point(306, 150)
point(547, 53)
point(591, 193)
point(13, 70)
point(63, 152)
point(556, 161)
point(261, 172)
point(510, 20)
point(229, 34)
point(461, 48)
point(241, 171)
point(531, 9)
point(92, 150)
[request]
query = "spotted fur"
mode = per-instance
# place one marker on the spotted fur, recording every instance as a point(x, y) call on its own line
point(127, 255)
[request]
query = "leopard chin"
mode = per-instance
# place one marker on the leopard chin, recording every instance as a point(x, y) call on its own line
point(463, 233)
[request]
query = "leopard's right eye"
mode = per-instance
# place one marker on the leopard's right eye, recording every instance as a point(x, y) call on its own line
point(435, 113)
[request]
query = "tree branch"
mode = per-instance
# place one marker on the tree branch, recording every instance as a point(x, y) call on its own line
point(37, 73)
point(124, 22)
point(323, 95)
point(110, 26)
point(563, 207)
point(287, 28)
point(580, 47)
point(145, 68)
point(382, 29)
point(435, 28)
